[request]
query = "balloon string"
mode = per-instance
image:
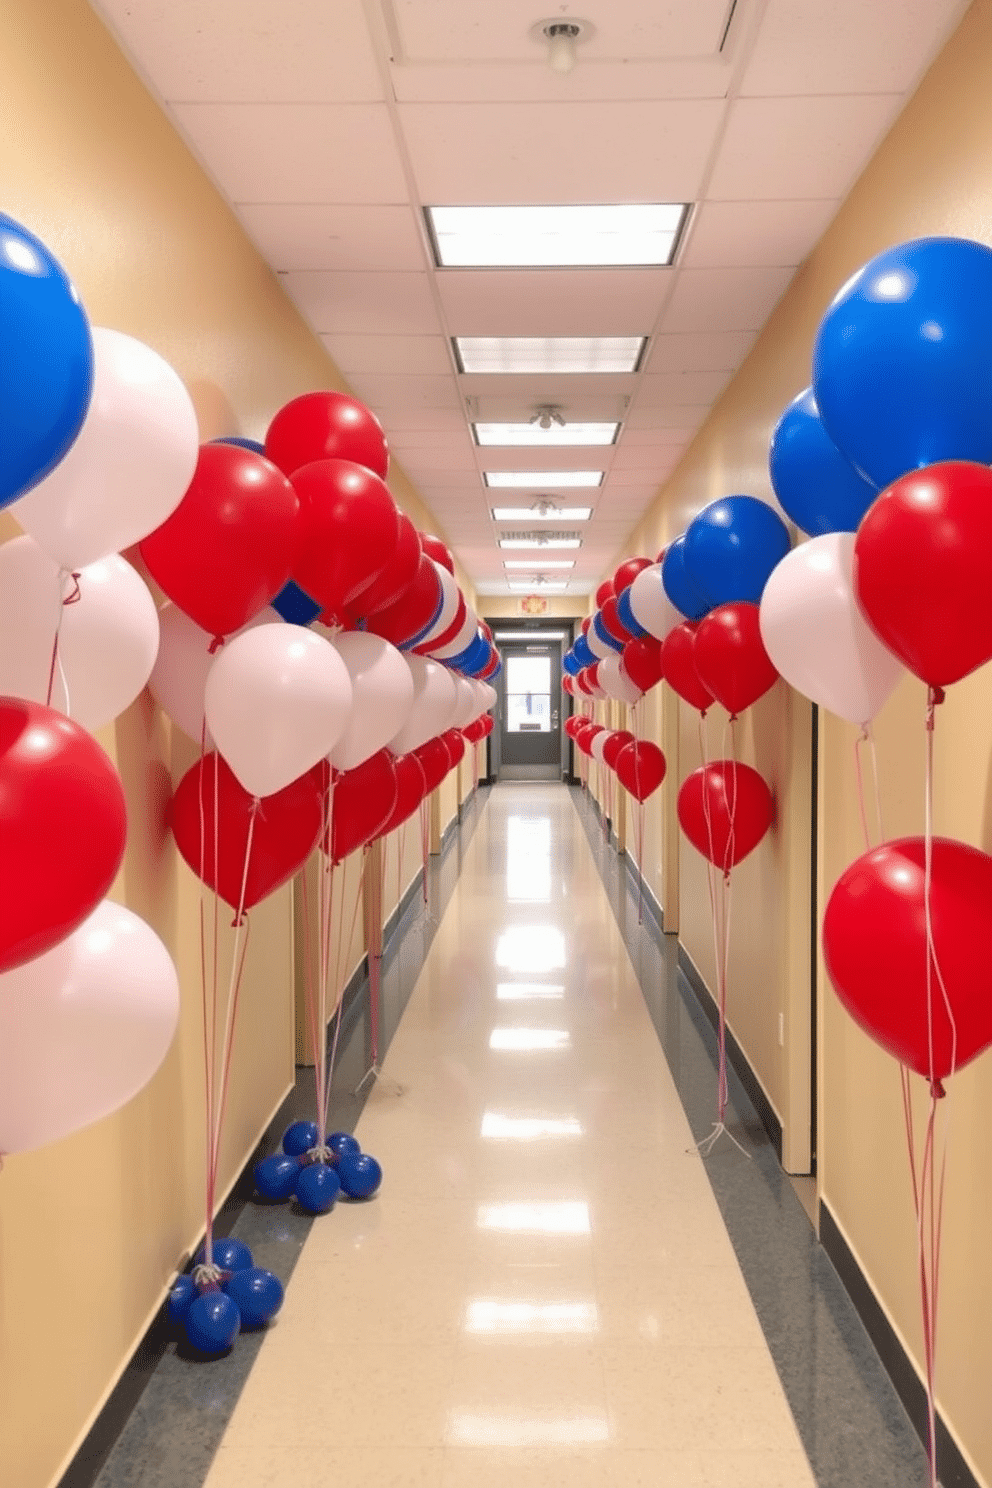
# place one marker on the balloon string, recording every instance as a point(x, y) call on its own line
point(639, 849)
point(340, 970)
point(928, 1207)
point(876, 783)
point(73, 597)
point(935, 697)
point(424, 842)
point(861, 786)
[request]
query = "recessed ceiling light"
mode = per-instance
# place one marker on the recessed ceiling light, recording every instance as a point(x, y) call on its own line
point(532, 565)
point(556, 434)
point(540, 542)
point(542, 480)
point(635, 234)
point(528, 514)
point(546, 354)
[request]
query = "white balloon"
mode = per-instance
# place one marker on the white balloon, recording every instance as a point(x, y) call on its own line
point(816, 635)
point(651, 606)
point(179, 677)
point(598, 744)
point(465, 636)
point(451, 598)
point(130, 465)
point(435, 698)
point(382, 696)
point(490, 696)
point(598, 646)
point(615, 682)
point(83, 1027)
point(277, 701)
point(465, 703)
point(108, 634)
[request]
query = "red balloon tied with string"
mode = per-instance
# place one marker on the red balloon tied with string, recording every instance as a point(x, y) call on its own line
point(583, 681)
point(326, 426)
point(627, 573)
point(361, 804)
point(730, 656)
point(349, 528)
point(455, 745)
point(286, 828)
point(874, 943)
point(228, 547)
point(603, 593)
point(479, 729)
point(413, 612)
point(611, 620)
point(435, 762)
point(389, 586)
point(725, 809)
point(411, 787)
point(923, 569)
point(679, 667)
point(572, 724)
point(617, 741)
point(642, 661)
point(63, 827)
point(438, 550)
point(640, 768)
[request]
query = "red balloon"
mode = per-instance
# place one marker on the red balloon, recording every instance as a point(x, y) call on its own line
point(492, 667)
point(228, 547)
point(628, 571)
point(348, 532)
point(486, 631)
point(923, 569)
point(583, 681)
point(617, 741)
point(455, 745)
point(641, 660)
point(448, 634)
point(326, 426)
point(439, 551)
point(435, 760)
point(584, 627)
point(603, 593)
point(568, 684)
point(679, 668)
point(63, 827)
point(287, 826)
point(730, 656)
point(411, 787)
point(395, 579)
point(361, 803)
point(586, 735)
point(480, 728)
point(874, 942)
point(661, 556)
point(725, 809)
point(572, 724)
point(612, 622)
point(640, 768)
point(413, 612)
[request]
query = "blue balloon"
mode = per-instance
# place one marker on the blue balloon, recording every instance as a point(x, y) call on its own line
point(182, 1294)
point(212, 1322)
point(902, 366)
point(626, 614)
point(342, 1142)
point(583, 653)
point(479, 657)
point(732, 547)
point(229, 1254)
point(604, 634)
point(257, 1294)
point(46, 361)
point(275, 1176)
point(295, 605)
point(299, 1138)
point(571, 663)
point(677, 584)
point(817, 487)
point(317, 1187)
point(360, 1175)
point(239, 443)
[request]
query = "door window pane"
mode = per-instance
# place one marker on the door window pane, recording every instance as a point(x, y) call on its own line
point(528, 694)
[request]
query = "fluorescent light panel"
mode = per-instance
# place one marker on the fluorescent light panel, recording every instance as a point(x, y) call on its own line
point(520, 435)
point(518, 586)
point(542, 480)
point(528, 514)
point(539, 354)
point(545, 563)
point(540, 542)
point(636, 234)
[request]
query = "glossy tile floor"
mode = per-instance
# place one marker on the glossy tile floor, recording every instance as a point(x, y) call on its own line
point(544, 1292)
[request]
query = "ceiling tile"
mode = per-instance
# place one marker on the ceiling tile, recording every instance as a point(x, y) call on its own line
point(801, 148)
point(376, 304)
point(398, 420)
point(543, 302)
point(574, 390)
point(661, 389)
point(725, 299)
point(804, 46)
point(653, 150)
point(306, 152)
point(738, 234)
point(533, 81)
point(293, 236)
point(438, 457)
point(385, 391)
point(233, 51)
point(702, 351)
point(416, 354)
point(430, 439)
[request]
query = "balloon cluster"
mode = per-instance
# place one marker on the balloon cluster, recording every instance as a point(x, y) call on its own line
point(315, 1173)
point(638, 764)
point(216, 1300)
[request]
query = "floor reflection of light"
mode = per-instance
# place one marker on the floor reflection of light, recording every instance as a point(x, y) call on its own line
point(531, 948)
point(528, 859)
point(566, 1218)
point(490, 1315)
point(501, 1429)
point(525, 1040)
point(529, 992)
point(499, 1128)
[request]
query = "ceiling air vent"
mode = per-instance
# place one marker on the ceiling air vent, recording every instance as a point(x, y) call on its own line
point(540, 534)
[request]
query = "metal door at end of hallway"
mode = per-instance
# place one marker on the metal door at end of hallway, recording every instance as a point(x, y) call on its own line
point(530, 711)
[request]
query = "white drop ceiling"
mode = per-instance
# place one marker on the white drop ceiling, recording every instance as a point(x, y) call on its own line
point(329, 125)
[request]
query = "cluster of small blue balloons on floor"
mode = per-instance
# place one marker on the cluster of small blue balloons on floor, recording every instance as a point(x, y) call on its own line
point(214, 1303)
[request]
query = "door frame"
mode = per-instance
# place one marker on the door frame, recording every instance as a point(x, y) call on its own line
point(560, 631)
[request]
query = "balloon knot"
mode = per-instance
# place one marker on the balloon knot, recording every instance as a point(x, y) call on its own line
point(320, 1154)
point(209, 1278)
point(215, 645)
point(239, 920)
point(75, 594)
point(937, 1089)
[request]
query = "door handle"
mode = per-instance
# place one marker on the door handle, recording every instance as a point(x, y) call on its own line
point(554, 719)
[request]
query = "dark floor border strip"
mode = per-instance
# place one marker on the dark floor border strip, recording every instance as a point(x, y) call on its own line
point(952, 1468)
point(98, 1443)
point(735, 1053)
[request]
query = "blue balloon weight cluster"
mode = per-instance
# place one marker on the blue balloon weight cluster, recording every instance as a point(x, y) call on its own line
point(214, 1303)
point(316, 1177)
